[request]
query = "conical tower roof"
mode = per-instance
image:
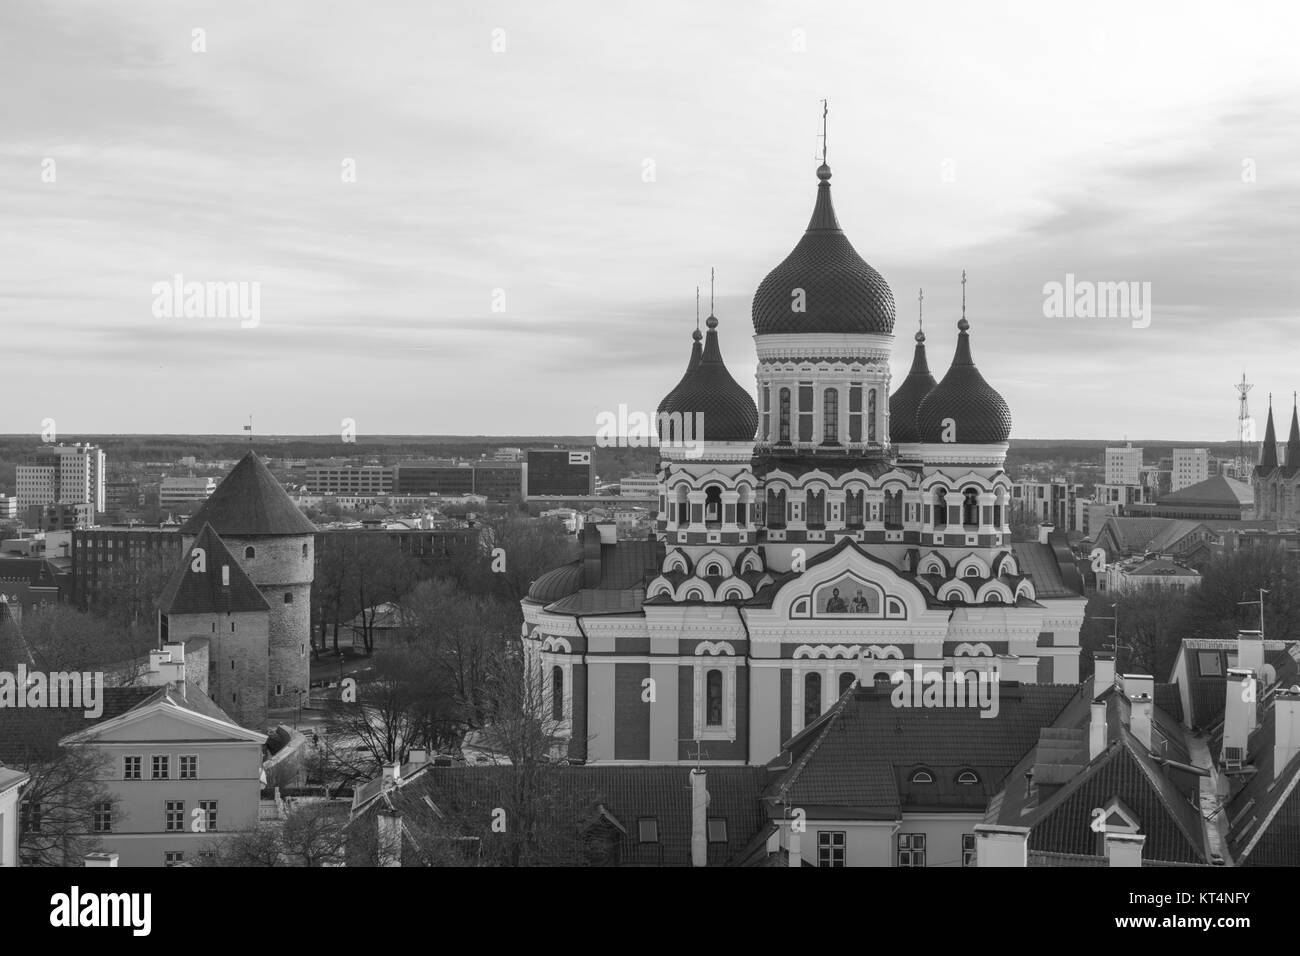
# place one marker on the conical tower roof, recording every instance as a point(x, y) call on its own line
point(980, 414)
point(708, 389)
point(220, 587)
point(250, 502)
point(669, 403)
point(904, 403)
point(1268, 454)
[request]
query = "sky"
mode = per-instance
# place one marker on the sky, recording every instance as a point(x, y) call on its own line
point(491, 218)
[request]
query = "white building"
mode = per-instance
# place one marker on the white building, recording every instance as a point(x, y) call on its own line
point(1191, 466)
point(639, 486)
point(182, 494)
point(36, 485)
point(63, 473)
point(1123, 465)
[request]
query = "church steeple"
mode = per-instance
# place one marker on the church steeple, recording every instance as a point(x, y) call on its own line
point(1268, 454)
point(1293, 439)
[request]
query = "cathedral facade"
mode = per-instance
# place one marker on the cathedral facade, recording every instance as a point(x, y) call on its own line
point(831, 533)
point(1277, 483)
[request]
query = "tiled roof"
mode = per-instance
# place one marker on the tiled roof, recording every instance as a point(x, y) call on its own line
point(1041, 563)
point(1216, 490)
point(904, 402)
point(249, 501)
point(465, 797)
point(668, 404)
point(844, 763)
point(841, 293)
point(980, 414)
point(221, 588)
point(38, 572)
point(1264, 814)
point(626, 564)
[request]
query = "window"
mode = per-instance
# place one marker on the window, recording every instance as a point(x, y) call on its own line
point(970, 507)
point(831, 416)
point(557, 693)
point(132, 768)
point(853, 509)
point(288, 597)
point(783, 419)
point(775, 508)
point(161, 767)
point(816, 509)
point(717, 829)
point(855, 413)
point(647, 830)
point(911, 849)
point(175, 816)
point(249, 552)
point(713, 698)
point(102, 818)
point(189, 767)
point(209, 808)
point(922, 776)
point(830, 847)
point(846, 681)
point(1210, 662)
point(812, 698)
point(712, 505)
point(304, 550)
point(968, 849)
point(805, 411)
point(173, 857)
point(765, 434)
point(968, 778)
point(871, 416)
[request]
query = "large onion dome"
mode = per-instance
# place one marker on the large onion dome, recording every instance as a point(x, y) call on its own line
point(979, 413)
point(841, 293)
point(669, 403)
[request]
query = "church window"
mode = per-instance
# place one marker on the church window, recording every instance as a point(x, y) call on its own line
point(894, 509)
point(557, 693)
point(784, 412)
point(816, 509)
point(940, 507)
point(766, 434)
point(713, 505)
point(871, 416)
point(713, 698)
point(970, 507)
point(831, 416)
point(775, 508)
point(805, 411)
point(853, 509)
point(855, 413)
point(812, 698)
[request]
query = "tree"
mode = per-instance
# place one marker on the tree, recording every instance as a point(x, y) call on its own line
point(1214, 608)
point(377, 573)
point(313, 834)
point(129, 591)
point(511, 551)
point(58, 637)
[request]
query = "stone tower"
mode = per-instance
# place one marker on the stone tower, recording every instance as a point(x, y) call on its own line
point(274, 544)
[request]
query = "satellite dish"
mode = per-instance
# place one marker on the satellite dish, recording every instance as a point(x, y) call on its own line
point(1268, 674)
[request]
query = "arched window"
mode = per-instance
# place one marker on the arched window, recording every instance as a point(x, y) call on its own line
point(783, 416)
point(695, 595)
point(812, 698)
point(846, 681)
point(938, 495)
point(713, 698)
point(304, 550)
point(766, 432)
point(557, 693)
point(853, 509)
point(970, 507)
point(968, 778)
point(871, 416)
point(249, 552)
point(993, 597)
point(894, 509)
point(831, 416)
point(775, 508)
point(712, 505)
point(922, 776)
point(972, 571)
point(816, 509)
point(714, 570)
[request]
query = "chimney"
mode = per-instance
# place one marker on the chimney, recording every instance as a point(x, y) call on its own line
point(1001, 846)
point(389, 824)
point(590, 557)
point(393, 771)
point(1097, 735)
point(1286, 727)
point(1124, 849)
point(417, 756)
point(1250, 651)
point(1239, 709)
point(157, 658)
point(794, 856)
point(699, 818)
point(608, 531)
point(101, 859)
point(1045, 532)
point(1139, 689)
point(1103, 673)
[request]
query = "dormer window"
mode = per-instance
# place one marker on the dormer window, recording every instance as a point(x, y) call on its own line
point(968, 778)
point(922, 776)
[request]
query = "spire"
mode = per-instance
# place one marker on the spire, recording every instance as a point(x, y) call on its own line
point(962, 324)
point(1268, 454)
point(920, 303)
point(823, 216)
point(1293, 439)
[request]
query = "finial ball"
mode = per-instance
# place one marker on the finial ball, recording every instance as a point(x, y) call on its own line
point(962, 324)
point(823, 172)
point(711, 322)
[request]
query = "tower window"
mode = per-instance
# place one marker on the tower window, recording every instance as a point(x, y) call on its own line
point(816, 509)
point(767, 413)
point(288, 597)
point(557, 693)
point(812, 698)
point(304, 550)
point(871, 416)
point(784, 415)
point(712, 505)
point(855, 413)
point(831, 416)
point(805, 411)
point(713, 698)
point(249, 552)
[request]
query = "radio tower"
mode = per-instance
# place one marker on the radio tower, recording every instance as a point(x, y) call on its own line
point(1245, 428)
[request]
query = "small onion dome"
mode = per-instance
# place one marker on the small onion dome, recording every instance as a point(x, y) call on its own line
point(841, 293)
point(708, 389)
point(980, 414)
point(670, 400)
point(556, 583)
point(904, 403)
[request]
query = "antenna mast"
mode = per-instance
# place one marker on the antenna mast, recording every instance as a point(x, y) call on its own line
point(1245, 429)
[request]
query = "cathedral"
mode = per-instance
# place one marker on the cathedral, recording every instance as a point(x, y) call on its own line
point(833, 533)
point(1277, 485)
